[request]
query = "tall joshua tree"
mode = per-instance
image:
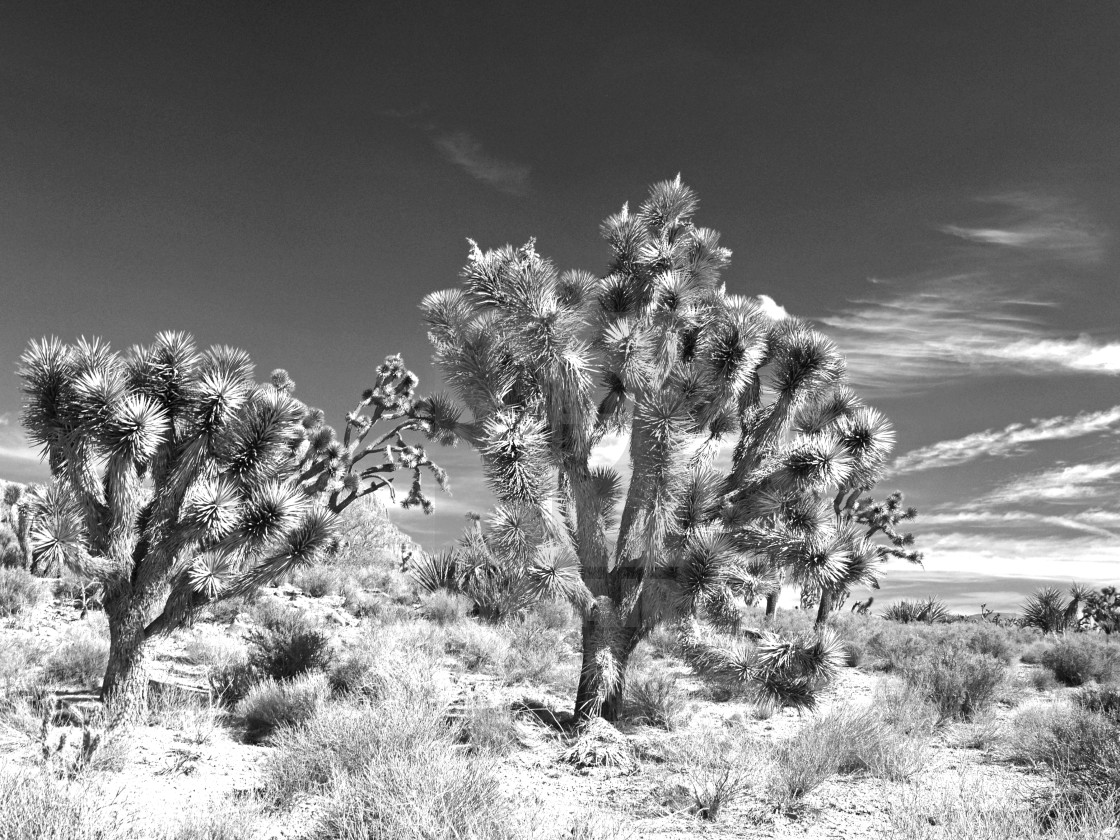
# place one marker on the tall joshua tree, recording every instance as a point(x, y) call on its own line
point(178, 480)
point(549, 363)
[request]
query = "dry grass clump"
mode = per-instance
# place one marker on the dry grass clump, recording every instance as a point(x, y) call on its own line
point(270, 705)
point(538, 654)
point(487, 728)
point(81, 655)
point(844, 740)
point(656, 699)
point(981, 814)
point(40, 806)
point(712, 769)
point(443, 607)
point(1077, 659)
point(287, 643)
point(20, 592)
point(390, 768)
point(959, 683)
point(319, 580)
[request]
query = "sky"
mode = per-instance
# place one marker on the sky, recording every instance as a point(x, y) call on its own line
point(936, 186)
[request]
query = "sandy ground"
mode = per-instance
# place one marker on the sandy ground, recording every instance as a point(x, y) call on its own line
point(197, 762)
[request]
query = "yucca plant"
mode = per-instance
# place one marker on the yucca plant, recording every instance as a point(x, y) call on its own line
point(178, 480)
point(929, 611)
point(1049, 611)
point(549, 364)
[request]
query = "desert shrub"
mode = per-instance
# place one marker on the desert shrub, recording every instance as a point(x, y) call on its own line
point(388, 661)
point(1066, 738)
point(19, 591)
point(227, 610)
point(444, 607)
point(717, 768)
point(223, 820)
point(655, 699)
point(1076, 660)
point(81, 656)
point(388, 769)
point(480, 647)
point(1103, 699)
point(664, 641)
point(40, 806)
point(319, 580)
point(487, 728)
point(554, 614)
point(536, 653)
point(958, 682)
point(78, 592)
point(230, 681)
point(978, 813)
point(904, 708)
point(844, 740)
point(854, 654)
point(270, 704)
point(287, 643)
point(1043, 679)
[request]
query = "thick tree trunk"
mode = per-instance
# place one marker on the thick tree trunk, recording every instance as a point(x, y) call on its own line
point(125, 688)
point(590, 702)
point(772, 605)
point(824, 607)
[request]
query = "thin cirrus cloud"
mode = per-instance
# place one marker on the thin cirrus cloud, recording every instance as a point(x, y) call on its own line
point(1011, 440)
point(465, 151)
point(1033, 222)
point(1090, 522)
point(1075, 484)
point(954, 327)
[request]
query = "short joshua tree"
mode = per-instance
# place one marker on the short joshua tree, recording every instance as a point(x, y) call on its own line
point(178, 480)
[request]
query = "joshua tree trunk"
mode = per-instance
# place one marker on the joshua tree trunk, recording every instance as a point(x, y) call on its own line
point(824, 607)
point(588, 695)
point(772, 604)
point(125, 687)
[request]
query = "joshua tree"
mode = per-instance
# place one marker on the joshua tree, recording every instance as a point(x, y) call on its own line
point(1102, 607)
point(178, 480)
point(549, 364)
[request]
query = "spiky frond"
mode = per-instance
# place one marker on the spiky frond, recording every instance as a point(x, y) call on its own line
point(516, 449)
point(554, 574)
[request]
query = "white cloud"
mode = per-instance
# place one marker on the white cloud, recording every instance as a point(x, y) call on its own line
point(771, 308)
point(1035, 222)
point(1012, 440)
point(1077, 483)
point(463, 150)
point(953, 327)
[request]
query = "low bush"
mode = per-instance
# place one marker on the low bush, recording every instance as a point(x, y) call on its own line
point(1078, 659)
point(231, 681)
point(388, 769)
point(79, 593)
point(81, 656)
point(319, 580)
point(844, 740)
point(20, 592)
point(480, 647)
point(39, 806)
point(1103, 699)
point(664, 641)
point(904, 708)
point(656, 699)
point(270, 705)
point(1066, 738)
point(443, 607)
point(490, 729)
point(536, 654)
point(227, 610)
point(717, 769)
point(959, 683)
point(287, 643)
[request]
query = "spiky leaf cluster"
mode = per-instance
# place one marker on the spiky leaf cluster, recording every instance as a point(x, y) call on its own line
point(178, 479)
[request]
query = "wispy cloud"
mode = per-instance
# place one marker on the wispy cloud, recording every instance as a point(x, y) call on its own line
point(465, 151)
point(1020, 518)
point(1011, 440)
point(957, 326)
point(1036, 222)
point(1078, 483)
